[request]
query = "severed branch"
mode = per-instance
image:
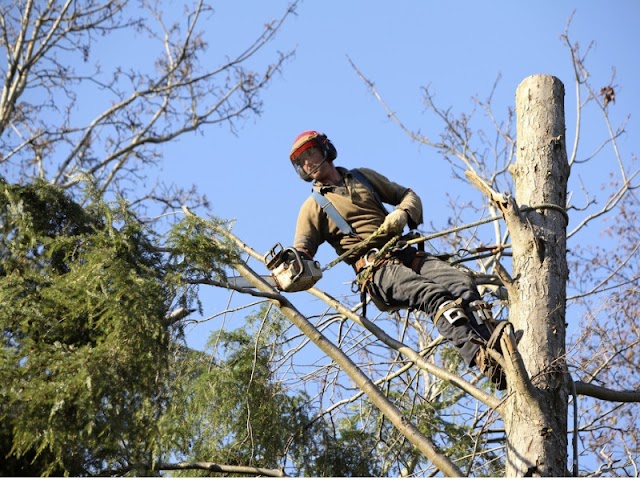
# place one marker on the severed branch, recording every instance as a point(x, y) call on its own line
point(377, 397)
point(177, 315)
point(500, 200)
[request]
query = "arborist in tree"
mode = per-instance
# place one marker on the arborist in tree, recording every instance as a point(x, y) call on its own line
point(346, 207)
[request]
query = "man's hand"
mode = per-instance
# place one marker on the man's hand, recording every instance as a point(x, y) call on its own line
point(395, 221)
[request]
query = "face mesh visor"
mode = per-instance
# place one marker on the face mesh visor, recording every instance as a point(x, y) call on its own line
point(298, 165)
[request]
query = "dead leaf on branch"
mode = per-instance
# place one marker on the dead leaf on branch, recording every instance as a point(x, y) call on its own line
point(608, 95)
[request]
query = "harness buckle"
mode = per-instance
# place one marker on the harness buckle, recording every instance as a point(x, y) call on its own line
point(370, 257)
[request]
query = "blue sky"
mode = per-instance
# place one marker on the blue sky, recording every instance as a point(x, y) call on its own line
point(456, 48)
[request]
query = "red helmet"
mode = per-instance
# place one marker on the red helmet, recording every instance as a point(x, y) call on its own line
point(309, 139)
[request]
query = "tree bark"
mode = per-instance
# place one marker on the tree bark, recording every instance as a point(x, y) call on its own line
point(536, 419)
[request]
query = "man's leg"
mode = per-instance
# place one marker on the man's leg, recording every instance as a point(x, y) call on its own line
point(462, 286)
point(399, 286)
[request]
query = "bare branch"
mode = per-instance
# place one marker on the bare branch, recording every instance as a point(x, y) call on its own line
point(602, 393)
point(421, 442)
point(145, 108)
point(209, 466)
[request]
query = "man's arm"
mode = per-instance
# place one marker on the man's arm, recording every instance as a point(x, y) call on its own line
point(308, 235)
point(412, 205)
point(401, 197)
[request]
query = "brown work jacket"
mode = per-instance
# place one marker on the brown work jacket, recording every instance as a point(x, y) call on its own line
point(358, 206)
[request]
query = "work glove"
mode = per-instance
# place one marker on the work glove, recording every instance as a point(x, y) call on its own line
point(395, 221)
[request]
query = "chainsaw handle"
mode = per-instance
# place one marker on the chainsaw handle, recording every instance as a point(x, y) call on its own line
point(297, 262)
point(273, 257)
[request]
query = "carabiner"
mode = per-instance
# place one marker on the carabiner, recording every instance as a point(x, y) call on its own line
point(367, 261)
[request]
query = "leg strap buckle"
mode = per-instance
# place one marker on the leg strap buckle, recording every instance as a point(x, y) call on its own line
point(452, 311)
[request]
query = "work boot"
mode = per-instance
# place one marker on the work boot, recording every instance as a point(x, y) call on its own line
point(490, 368)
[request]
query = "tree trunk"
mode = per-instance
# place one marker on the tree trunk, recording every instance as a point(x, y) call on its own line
point(536, 419)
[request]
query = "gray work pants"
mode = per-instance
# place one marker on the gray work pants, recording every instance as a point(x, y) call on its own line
point(398, 286)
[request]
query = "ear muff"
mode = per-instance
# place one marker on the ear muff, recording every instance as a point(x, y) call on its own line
point(330, 150)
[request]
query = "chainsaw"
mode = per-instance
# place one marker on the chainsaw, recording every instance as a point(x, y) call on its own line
point(290, 272)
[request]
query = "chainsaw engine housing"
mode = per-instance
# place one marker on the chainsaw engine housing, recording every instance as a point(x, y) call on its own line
point(291, 272)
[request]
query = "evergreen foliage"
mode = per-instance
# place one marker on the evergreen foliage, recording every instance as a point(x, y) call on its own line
point(95, 377)
point(232, 407)
point(85, 345)
point(348, 449)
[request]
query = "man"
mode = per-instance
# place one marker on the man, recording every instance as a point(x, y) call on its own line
point(347, 208)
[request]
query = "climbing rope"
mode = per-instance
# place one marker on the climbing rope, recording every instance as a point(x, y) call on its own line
point(361, 245)
point(357, 247)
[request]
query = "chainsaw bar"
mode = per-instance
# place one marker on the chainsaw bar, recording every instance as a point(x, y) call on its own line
point(241, 282)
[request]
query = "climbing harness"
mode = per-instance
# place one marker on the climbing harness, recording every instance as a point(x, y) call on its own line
point(391, 252)
point(374, 258)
